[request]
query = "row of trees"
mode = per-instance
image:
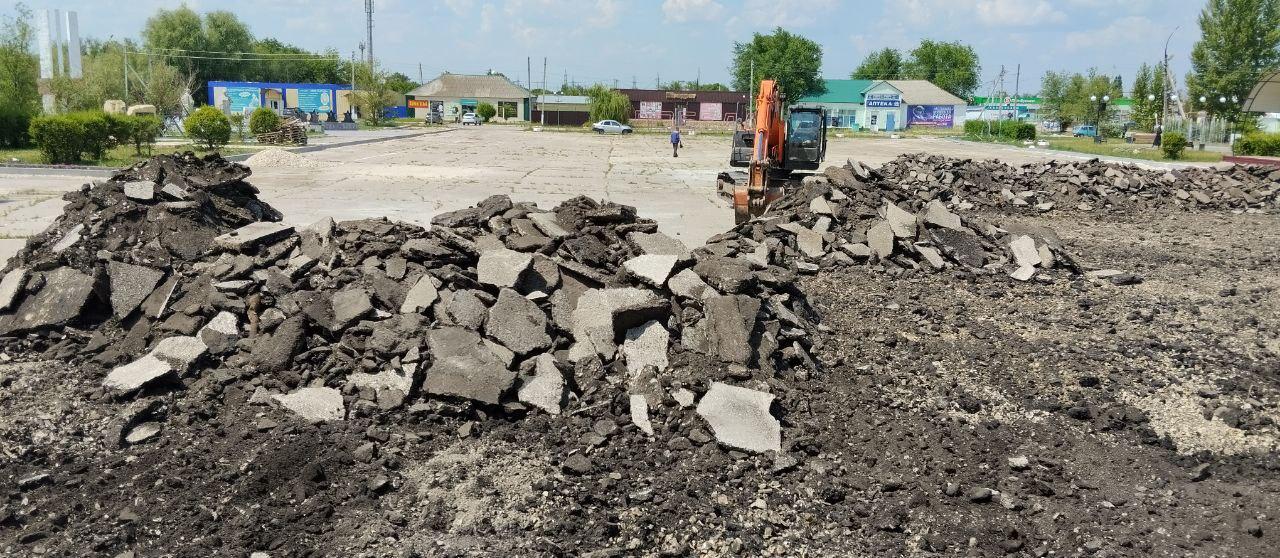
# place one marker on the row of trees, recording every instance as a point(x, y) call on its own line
point(952, 66)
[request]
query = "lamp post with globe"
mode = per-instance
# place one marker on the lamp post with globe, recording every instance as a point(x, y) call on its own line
point(1102, 111)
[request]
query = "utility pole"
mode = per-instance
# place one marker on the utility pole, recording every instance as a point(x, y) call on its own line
point(1017, 84)
point(368, 16)
point(351, 96)
point(528, 72)
point(544, 87)
point(697, 82)
point(657, 84)
point(419, 73)
point(1164, 85)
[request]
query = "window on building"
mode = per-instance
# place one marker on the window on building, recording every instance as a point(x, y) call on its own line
point(507, 109)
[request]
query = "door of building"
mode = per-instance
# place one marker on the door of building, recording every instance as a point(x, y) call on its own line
point(888, 121)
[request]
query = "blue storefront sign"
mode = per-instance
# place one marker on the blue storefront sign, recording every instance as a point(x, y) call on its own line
point(883, 100)
point(244, 98)
point(315, 100)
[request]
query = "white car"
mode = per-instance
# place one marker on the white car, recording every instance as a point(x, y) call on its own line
point(611, 127)
point(470, 118)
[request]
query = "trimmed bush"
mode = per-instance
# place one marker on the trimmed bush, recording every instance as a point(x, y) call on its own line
point(144, 130)
point(1258, 143)
point(1010, 130)
point(96, 138)
point(209, 127)
point(486, 111)
point(263, 120)
point(58, 138)
point(1172, 144)
point(15, 125)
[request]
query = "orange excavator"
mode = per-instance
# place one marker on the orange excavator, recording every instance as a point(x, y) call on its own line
point(779, 146)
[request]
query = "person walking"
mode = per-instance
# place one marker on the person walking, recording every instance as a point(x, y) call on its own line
point(1159, 135)
point(675, 142)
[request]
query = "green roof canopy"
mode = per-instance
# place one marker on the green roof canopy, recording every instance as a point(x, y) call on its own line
point(840, 91)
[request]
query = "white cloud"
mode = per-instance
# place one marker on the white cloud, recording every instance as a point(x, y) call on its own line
point(787, 13)
point(681, 11)
point(1014, 13)
point(1119, 33)
point(486, 18)
point(607, 12)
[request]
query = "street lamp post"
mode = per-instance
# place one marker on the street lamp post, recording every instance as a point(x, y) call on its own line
point(1102, 110)
point(1164, 82)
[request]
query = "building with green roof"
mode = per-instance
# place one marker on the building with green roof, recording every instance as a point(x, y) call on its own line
point(886, 105)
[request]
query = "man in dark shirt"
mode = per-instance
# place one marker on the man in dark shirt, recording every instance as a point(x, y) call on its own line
point(675, 142)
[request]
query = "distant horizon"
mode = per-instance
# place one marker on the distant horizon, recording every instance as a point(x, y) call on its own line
point(625, 43)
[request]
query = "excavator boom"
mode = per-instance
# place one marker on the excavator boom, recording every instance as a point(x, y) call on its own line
point(774, 151)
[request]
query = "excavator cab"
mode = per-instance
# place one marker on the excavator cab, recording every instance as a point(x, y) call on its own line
point(806, 142)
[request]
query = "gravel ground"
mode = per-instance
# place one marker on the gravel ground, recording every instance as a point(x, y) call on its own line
point(955, 416)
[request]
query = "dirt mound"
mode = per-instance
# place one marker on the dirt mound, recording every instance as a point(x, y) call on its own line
point(1086, 186)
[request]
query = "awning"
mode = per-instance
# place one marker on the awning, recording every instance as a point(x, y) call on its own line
point(1265, 96)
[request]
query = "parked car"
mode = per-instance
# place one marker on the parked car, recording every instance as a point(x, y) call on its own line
point(470, 118)
point(434, 117)
point(611, 127)
point(1084, 131)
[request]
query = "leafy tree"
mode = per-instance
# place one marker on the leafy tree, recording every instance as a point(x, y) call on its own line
point(208, 127)
point(183, 37)
point(144, 129)
point(373, 95)
point(1065, 97)
point(881, 64)
point(401, 83)
point(263, 120)
point(486, 111)
point(224, 32)
point(1117, 86)
point(790, 59)
point(952, 66)
point(1239, 40)
point(1145, 111)
point(19, 72)
point(608, 104)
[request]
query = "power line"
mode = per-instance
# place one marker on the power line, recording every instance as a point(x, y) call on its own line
point(238, 58)
point(243, 53)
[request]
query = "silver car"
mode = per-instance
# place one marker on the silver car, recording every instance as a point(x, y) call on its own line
point(611, 127)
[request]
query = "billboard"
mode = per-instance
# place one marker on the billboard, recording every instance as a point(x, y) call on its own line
point(651, 109)
point(933, 116)
point(419, 103)
point(710, 111)
point(318, 100)
point(883, 100)
point(243, 98)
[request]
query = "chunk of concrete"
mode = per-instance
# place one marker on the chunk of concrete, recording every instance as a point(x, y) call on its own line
point(900, 220)
point(545, 390)
point(1024, 251)
point(548, 224)
point(518, 323)
point(350, 305)
point(130, 285)
point(601, 314)
point(543, 276)
point(470, 377)
point(880, 240)
point(221, 333)
point(651, 268)
point(466, 309)
point(58, 302)
point(687, 284)
point(11, 285)
point(659, 244)
point(175, 192)
point(740, 418)
point(640, 413)
point(138, 374)
point(646, 345)
point(937, 214)
point(725, 332)
point(70, 239)
point(931, 256)
point(502, 268)
point(421, 295)
point(253, 234)
point(820, 206)
point(1023, 273)
point(315, 404)
point(140, 190)
point(181, 352)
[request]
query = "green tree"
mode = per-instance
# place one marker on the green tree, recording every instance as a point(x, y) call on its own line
point(373, 95)
point(790, 59)
point(263, 120)
point(881, 64)
point(608, 104)
point(952, 66)
point(400, 83)
point(208, 127)
point(184, 38)
point(1066, 97)
point(1144, 110)
point(1239, 40)
point(486, 111)
point(19, 72)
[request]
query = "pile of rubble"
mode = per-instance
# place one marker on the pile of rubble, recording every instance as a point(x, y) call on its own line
point(173, 274)
point(850, 215)
point(1086, 185)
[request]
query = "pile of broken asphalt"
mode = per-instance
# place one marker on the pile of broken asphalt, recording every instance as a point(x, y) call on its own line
point(187, 305)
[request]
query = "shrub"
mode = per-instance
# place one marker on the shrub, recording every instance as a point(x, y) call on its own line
point(208, 127)
point(119, 128)
point(15, 123)
point(95, 139)
point(1003, 129)
point(1258, 143)
point(263, 120)
point(237, 123)
point(144, 130)
point(1172, 144)
point(486, 111)
point(57, 137)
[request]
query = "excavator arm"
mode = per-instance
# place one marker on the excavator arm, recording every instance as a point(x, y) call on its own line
point(751, 199)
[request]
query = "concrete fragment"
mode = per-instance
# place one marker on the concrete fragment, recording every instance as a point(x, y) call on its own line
point(470, 377)
point(640, 413)
point(740, 418)
point(1023, 273)
point(221, 333)
point(1024, 251)
point(931, 256)
point(253, 234)
point(659, 244)
point(684, 397)
point(315, 404)
point(181, 352)
point(652, 268)
point(421, 296)
point(548, 224)
point(646, 345)
point(937, 214)
point(687, 284)
point(142, 433)
point(725, 332)
point(137, 374)
point(880, 240)
point(68, 240)
point(466, 309)
point(857, 250)
point(902, 222)
point(349, 306)
point(603, 313)
point(175, 192)
point(130, 285)
point(518, 323)
point(141, 190)
point(820, 206)
point(60, 300)
point(11, 285)
point(542, 276)
point(545, 390)
point(502, 268)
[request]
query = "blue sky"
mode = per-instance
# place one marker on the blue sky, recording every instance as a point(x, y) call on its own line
point(607, 40)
